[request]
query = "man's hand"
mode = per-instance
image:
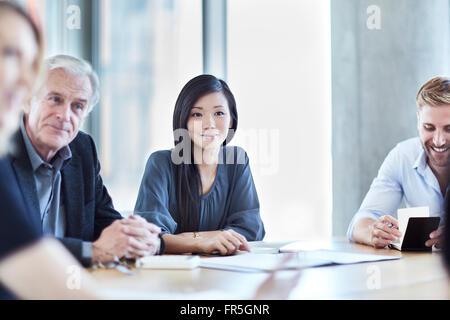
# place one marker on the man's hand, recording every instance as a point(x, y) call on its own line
point(436, 238)
point(147, 235)
point(113, 243)
point(133, 237)
point(384, 231)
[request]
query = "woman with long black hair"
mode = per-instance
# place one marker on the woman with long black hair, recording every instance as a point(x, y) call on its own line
point(201, 193)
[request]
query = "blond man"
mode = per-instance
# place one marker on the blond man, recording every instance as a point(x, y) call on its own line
point(416, 171)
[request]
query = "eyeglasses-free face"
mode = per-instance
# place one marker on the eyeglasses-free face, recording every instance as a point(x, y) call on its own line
point(209, 121)
point(434, 133)
point(57, 113)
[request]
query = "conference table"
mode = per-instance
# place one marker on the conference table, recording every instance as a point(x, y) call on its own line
point(416, 275)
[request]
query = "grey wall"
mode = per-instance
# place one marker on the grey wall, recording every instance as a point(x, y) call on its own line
point(375, 77)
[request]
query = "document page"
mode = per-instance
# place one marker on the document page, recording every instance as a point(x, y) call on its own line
point(261, 262)
point(303, 259)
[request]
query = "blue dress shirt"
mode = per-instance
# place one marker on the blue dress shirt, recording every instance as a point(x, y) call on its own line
point(403, 176)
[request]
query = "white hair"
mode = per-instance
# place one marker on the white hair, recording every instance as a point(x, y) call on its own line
point(78, 67)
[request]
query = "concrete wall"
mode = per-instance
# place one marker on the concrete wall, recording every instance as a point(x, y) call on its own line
point(377, 67)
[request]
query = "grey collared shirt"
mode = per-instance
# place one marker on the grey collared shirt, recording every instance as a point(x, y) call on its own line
point(47, 177)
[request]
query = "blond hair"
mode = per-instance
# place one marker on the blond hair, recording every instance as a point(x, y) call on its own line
point(434, 92)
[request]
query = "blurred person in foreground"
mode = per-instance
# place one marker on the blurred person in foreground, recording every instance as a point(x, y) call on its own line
point(24, 254)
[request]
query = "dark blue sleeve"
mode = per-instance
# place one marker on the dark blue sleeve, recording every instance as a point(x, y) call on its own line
point(244, 216)
point(16, 228)
point(153, 197)
point(100, 212)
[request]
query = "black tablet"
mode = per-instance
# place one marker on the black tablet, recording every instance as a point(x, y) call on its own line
point(418, 232)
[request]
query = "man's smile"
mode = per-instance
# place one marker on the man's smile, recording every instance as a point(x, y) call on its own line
point(440, 149)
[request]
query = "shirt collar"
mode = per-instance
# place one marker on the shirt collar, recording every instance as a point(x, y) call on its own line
point(421, 161)
point(59, 160)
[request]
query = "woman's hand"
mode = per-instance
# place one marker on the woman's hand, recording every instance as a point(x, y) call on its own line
point(222, 241)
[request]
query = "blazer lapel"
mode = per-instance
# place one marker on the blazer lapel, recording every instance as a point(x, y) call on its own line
point(73, 192)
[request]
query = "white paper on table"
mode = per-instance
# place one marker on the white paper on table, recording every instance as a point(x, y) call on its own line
point(305, 259)
point(262, 262)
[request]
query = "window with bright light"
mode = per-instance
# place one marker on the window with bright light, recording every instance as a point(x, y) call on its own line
point(279, 67)
point(148, 51)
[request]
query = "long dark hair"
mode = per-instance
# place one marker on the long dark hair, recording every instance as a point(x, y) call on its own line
point(188, 182)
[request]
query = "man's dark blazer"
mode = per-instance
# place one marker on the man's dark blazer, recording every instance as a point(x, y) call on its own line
point(87, 204)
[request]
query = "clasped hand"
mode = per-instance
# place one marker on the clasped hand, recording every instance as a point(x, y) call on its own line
point(131, 237)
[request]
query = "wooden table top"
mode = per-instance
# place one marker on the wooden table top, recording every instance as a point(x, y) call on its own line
point(417, 275)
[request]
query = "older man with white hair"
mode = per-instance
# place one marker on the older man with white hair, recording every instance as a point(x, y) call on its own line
point(58, 171)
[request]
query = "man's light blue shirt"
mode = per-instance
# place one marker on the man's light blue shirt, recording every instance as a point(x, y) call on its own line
point(404, 175)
